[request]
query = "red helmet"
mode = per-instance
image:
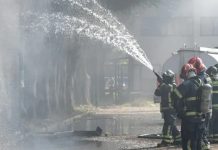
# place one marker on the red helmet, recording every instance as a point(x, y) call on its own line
point(197, 63)
point(192, 60)
point(186, 68)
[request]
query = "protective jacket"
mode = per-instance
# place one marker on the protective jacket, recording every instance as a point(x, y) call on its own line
point(213, 128)
point(192, 120)
point(165, 90)
point(215, 94)
point(188, 104)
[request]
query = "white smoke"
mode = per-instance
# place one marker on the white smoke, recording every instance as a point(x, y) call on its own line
point(9, 47)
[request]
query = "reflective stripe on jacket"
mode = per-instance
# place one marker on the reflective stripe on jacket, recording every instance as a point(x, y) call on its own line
point(215, 94)
point(187, 94)
point(165, 91)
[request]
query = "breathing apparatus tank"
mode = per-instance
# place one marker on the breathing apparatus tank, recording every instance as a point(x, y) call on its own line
point(205, 98)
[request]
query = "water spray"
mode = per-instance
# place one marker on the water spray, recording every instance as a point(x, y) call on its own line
point(68, 25)
point(110, 31)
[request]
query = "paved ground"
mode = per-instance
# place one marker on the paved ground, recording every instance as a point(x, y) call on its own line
point(147, 120)
point(121, 126)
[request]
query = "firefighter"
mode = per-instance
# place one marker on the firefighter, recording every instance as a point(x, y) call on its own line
point(201, 72)
point(192, 122)
point(200, 69)
point(213, 130)
point(170, 133)
point(183, 71)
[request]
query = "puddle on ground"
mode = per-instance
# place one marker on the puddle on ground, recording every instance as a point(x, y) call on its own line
point(121, 125)
point(117, 133)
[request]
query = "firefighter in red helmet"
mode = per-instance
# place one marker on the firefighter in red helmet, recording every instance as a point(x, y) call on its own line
point(184, 70)
point(200, 68)
point(197, 63)
point(201, 72)
point(187, 107)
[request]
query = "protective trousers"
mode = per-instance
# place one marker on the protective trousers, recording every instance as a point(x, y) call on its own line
point(170, 132)
point(214, 126)
point(206, 144)
point(191, 133)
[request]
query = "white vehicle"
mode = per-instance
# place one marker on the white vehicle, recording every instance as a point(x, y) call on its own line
point(180, 57)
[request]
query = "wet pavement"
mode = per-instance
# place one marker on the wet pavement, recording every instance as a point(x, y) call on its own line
point(120, 132)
